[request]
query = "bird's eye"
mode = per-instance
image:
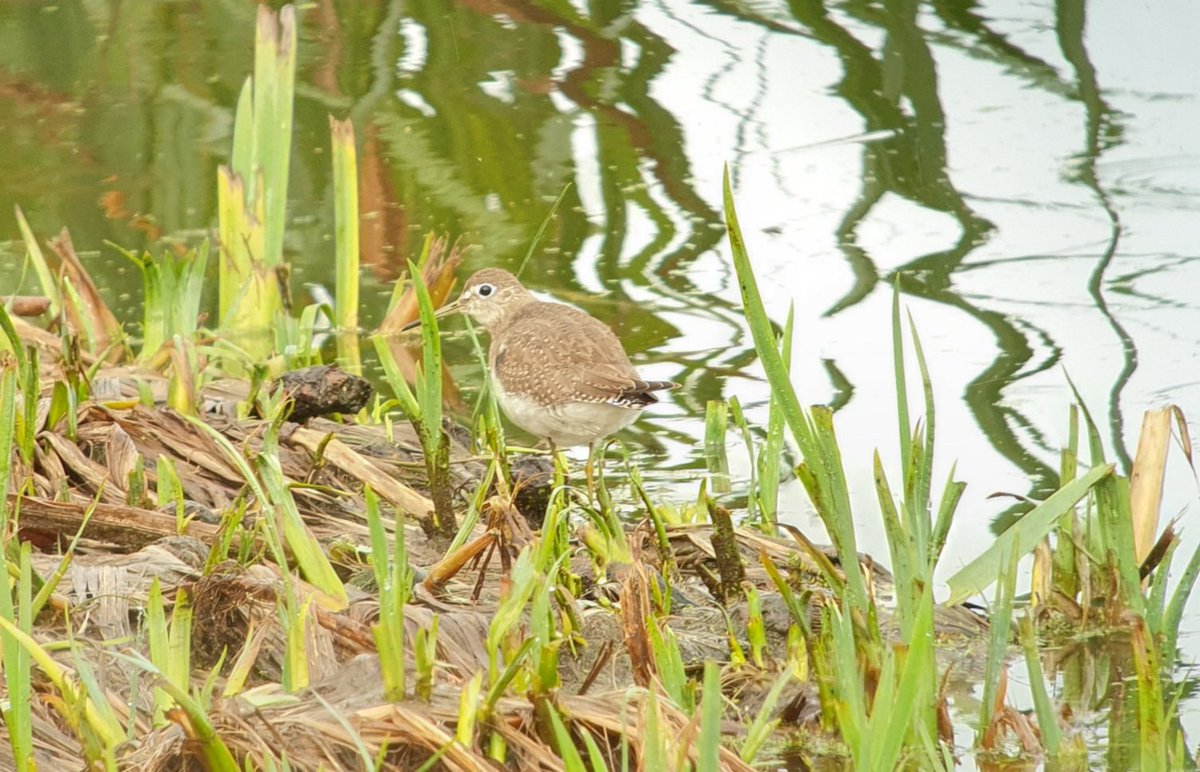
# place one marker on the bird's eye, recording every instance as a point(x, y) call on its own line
point(485, 290)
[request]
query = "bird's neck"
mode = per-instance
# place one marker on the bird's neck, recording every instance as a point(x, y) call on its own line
point(516, 308)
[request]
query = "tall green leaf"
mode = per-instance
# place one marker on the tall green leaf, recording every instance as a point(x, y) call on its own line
point(821, 473)
point(1022, 536)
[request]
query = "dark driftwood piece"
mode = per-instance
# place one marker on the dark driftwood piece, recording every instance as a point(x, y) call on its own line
point(27, 305)
point(324, 389)
point(533, 481)
point(725, 547)
point(116, 524)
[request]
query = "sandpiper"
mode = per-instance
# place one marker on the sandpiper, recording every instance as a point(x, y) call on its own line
point(559, 374)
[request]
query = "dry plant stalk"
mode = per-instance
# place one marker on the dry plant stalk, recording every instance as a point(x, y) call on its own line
point(438, 275)
point(635, 615)
point(1149, 469)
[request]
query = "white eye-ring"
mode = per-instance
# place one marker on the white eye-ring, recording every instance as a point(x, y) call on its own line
point(485, 290)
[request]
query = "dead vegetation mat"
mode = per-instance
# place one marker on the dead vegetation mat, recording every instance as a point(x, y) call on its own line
point(342, 719)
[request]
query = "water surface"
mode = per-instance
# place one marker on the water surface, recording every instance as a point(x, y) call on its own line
point(1027, 172)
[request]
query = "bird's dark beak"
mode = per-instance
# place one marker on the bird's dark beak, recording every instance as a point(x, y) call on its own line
point(445, 310)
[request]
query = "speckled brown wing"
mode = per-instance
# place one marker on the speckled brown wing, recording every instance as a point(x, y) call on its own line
point(553, 353)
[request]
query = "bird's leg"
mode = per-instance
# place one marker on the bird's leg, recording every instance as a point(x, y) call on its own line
point(587, 472)
point(558, 463)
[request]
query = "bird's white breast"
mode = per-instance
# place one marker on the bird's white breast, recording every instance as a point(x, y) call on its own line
point(566, 424)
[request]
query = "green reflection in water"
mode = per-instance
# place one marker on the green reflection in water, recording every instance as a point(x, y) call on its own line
point(472, 117)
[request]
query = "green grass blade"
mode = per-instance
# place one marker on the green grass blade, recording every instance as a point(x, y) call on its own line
point(12, 341)
point(429, 382)
point(17, 677)
point(541, 231)
point(395, 378)
point(708, 751)
point(345, 202)
point(50, 285)
point(394, 580)
point(1022, 536)
point(159, 643)
point(310, 556)
point(567, 752)
point(243, 134)
point(902, 419)
point(770, 459)
point(922, 474)
point(216, 754)
point(179, 653)
point(103, 712)
point(893, 712)
point(274, 83)
point(511, 670)
point(109, 732)
point(906, 566)
point(234, 260)
point(998, 640)
point(31, 387)
point(760, 328)
point(821, 472)
point(847, 697)
point(1043, 706)
point(715, 422)
point(1173, 615)
point(669, 662)
point(763, 725)
point(655, 747)
point(951, 495)
point(596, 760)
point(9, 376)
point(1114, 518)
